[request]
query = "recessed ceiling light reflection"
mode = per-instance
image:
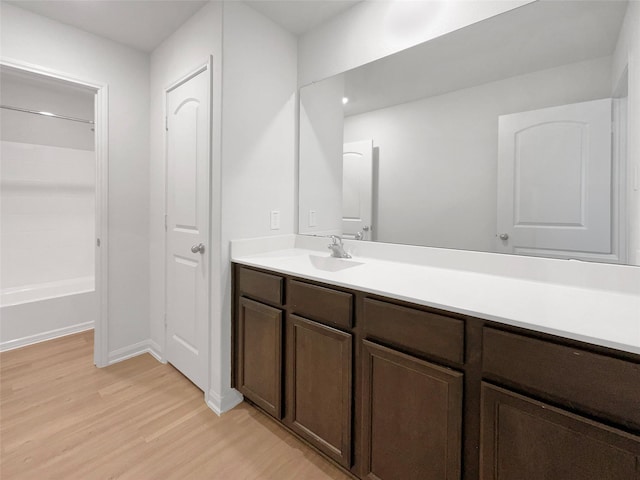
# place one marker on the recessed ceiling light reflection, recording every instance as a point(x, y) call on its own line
point(345, 100)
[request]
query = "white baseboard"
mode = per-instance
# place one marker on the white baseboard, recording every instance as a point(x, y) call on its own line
point(156, 352)
point(44, 336)
point(220, 404)
point(146, 346)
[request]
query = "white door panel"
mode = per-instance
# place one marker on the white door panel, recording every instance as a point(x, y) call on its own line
point(188, 197)
point(357, 189)
point(554, 180)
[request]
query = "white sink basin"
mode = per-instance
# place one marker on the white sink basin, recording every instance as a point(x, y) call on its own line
point(332, 264)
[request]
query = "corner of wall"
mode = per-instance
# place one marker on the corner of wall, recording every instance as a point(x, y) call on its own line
point(223, 403)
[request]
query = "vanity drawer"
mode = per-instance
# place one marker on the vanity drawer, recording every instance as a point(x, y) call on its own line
point(260, 286)
point(321, 304)
point(416, 330)
point(589, 381)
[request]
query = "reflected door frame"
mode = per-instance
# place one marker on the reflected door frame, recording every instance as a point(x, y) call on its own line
point(358, 202)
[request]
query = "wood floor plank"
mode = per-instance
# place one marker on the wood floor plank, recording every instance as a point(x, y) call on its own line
point(63, 418)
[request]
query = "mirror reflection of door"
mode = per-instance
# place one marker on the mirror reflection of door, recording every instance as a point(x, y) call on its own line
point(357, 190)
point(554, 181)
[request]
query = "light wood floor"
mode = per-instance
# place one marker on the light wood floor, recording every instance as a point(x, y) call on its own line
point(63, 418)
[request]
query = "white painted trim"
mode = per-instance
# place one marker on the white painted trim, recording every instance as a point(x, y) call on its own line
point(619, 174)
point(130, 351)
point(44, 336)
point(101, 117)
point(154, 350)
point(209, 65)
point(101, 342)
point(185, 78)
point(223, 404)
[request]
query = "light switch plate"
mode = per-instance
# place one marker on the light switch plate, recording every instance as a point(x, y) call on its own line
point(275, 219)
point(313, 218)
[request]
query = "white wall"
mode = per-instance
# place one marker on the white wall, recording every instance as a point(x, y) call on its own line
point(438, 156)
point(186, 49)
point(35, 40)
point(258, 145)
point(47, 220)
point(627, 56)
point(372, 30)
point(253, 130)
point(321, 145)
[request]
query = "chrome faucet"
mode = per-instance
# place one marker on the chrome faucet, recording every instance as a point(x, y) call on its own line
point(337, 248)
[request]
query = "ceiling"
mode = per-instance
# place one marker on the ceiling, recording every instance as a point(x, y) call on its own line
point(300, 16)
point(121, 20)
point(117, 20)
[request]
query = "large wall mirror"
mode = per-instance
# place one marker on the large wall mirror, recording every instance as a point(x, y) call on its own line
point(506, 136)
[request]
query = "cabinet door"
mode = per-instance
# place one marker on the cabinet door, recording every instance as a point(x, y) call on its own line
point(412, 417)
point(259, 374)
point(523, 439)
point(319, 386)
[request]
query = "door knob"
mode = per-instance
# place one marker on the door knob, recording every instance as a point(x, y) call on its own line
point(504, 236)
point(199, 248)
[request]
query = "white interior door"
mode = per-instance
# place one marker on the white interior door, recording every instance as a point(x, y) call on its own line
point(188, 274)
point(554, 181)
point(357, 190)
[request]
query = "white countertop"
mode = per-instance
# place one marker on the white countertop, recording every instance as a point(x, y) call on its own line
point(597, 316)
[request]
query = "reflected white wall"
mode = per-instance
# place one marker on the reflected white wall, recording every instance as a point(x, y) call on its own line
point(321, 142)
point(438, 156)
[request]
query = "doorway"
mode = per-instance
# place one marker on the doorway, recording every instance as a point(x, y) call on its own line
point(54, 208)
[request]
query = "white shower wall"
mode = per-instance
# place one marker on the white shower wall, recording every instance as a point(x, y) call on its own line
point(47, 206)
point(47, 210)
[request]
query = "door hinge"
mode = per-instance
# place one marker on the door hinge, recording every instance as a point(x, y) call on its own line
point(166, 123)
point(165, 319)
point(97, 242)
point(165, 222)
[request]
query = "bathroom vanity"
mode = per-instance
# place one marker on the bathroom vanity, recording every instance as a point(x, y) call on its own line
point(390, 388)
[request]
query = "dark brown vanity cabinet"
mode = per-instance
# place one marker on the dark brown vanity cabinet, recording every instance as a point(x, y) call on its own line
point(319, 369)
point(529, 438)
point(293, 356)
point(412, 408)
point(412, 417)
point(394, 391)
point(319, 381)
point(525, 439)
point(259, 340)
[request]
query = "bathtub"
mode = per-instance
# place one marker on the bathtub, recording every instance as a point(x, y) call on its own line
point(38, 312)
